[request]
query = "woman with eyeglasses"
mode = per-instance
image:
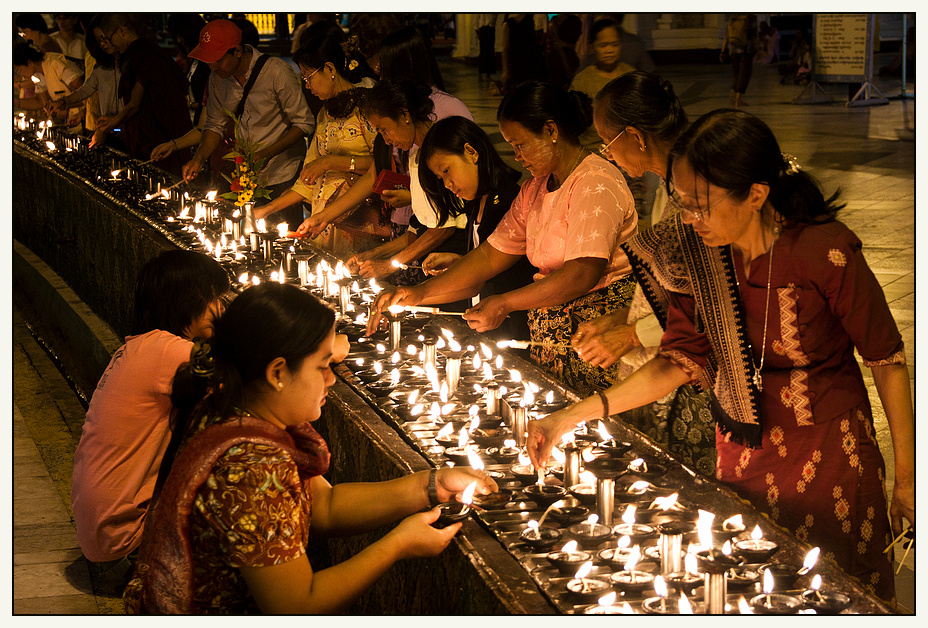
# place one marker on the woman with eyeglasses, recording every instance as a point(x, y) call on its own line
point(568, 219)
point(638, 117)
point(765, 297)
point(341, 149)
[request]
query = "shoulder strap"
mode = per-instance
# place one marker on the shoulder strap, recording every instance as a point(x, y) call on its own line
point(255, 71)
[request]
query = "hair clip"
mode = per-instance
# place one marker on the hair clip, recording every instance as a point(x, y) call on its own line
point(201, 362)
point(792, 164)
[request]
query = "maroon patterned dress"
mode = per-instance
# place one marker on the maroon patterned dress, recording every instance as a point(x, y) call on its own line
point(818, 471)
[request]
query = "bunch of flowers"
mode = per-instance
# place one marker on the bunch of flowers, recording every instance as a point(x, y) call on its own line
point(245, 183)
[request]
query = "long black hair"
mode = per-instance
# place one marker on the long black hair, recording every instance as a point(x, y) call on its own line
point(733, 150)
point(176, 288)
point(405, 54)
point(644, 101)
point(263, 323)
point(533, 103)
point(449, 135)
point(102, 59)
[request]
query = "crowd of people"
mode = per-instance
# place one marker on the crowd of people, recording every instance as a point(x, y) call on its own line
point(690, 331)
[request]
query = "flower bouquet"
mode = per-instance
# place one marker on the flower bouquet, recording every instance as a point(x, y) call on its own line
point(245, 182)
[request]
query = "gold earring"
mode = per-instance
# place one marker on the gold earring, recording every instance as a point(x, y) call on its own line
point(554, 141)
point(280, 385)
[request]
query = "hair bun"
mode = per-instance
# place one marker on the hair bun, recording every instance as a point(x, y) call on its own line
point(583, 105)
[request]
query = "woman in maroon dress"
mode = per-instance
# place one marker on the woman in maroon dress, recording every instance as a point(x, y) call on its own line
point(765, 297)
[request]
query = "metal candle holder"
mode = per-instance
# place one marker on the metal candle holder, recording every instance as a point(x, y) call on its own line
point(519, 423)
point(492, 399)
point(430, 349)
point(606, 470)
point(302, 269)
point(571, 464)
point(344, 295)
point(395, 328)
point(267, 245)
point(671, 545)
point(715, 565)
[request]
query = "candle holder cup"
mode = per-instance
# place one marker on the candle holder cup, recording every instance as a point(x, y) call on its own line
point(825, 602)
point(569, 515)
point(567, 563)
point(451, 512)
point(544, 495)
point(541, 539)
point(493, 501)
point(586, 590)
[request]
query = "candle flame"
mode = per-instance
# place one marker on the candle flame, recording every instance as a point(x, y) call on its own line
point(396, 357)
point(549, 398)
point(273, 275)
point(435, 410)
point(394, 374)
point(666, 503)
point(592, 519)
point(474, 460)
point(558, 455)
point(453, 344)
point(467, 497)
point(690, 563)
point(743, 607)
point(396, 309)
point(418, 409)
point(509, 442)
point(604, 433)
point(607, 600)
point(445, 431)
point(587, 455)
point(629, 515)
point(524, 459)
point(243, 278)
point(282, 229)
point(532, 523)
point(810, 559)
point(726, 548)
point(569, 546)
point(633, 557)
point(413, 396)
point(627, 609)
point(733, 523)
point(378, 367)
point(260, 225)
point(474, 423)
point(638, 465)
point(475, 362)
point(50, 145)
point(462, 438)
point(515, 375)
point(487, 352)
point(756, 533)
point(624, 541)
point(443, 393)
point(684, 605)
point(527, 399)
point(584, 570)
point(660, 587)
point(499, 362)
point(816, 583)
point(704, 528)
point(587, 478)
point(768, 581)
point(36, 80)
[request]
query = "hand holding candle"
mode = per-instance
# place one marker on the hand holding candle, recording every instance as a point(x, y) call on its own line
point(451, 482)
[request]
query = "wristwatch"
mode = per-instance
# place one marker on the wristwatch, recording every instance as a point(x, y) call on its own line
point(433, 490)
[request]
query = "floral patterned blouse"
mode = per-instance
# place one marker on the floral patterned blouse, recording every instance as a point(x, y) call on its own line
point(590, 215)
point(251, 512)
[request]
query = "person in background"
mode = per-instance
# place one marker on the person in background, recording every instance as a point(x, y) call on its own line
point(561, 48)
point(774, 341)
point(739, 47)
point(341, 147)
point(296, 41)
point(69, 38)
point(465, 177)
point(185, 30)
point(523, 58)
point(99, 91)
point(152, 89)
point(246, 490)
point(768, 44)
point(568, 219)
point(371, 29)
point(128, 424)
point(57, 78)
point(485, 25)
point(35, 29)
point(275, 117)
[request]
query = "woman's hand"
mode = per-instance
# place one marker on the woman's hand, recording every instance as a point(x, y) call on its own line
point(403, 295)
point(354, 262)
point(315, 169)
point(544, 433)
point(602, 341)
point(437, 263)
point(376, 268)
point(161, 151)
point(417, 538)
point(451, 482)
point(340, 347)
point(99, 136)
point(314, 225)
point(397, 198)
point(191, 169)
point(488, 314)
point(902, 506)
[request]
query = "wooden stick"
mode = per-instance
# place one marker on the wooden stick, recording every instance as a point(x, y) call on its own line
point(525, 344)
point(904, 556)
point(896, 540)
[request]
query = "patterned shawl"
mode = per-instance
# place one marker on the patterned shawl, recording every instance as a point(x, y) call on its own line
point(671, 257)
point(164, 577)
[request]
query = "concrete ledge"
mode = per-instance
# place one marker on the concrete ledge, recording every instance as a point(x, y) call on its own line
point(81, 340)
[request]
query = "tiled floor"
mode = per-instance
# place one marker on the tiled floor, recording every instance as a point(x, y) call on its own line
point(869, 152)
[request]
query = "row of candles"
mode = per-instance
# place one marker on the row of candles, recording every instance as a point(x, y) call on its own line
point(495, 405)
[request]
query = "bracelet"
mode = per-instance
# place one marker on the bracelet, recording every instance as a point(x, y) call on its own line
point(433, 489)
point(351, 168)
point(605, 401)
point(175, 145)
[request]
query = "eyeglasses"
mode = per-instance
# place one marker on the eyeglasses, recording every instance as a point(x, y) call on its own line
point(692, 207)
point(306, 78)
point(604, 148)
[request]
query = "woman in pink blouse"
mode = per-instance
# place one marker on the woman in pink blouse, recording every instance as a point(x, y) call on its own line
point(568, 219)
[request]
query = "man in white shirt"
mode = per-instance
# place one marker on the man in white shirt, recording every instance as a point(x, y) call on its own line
point(276, 116)
point(72, 43)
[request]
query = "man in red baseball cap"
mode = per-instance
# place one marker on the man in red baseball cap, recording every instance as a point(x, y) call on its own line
point(275, 115)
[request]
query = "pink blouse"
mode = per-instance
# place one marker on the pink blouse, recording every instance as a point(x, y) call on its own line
point(590, 215)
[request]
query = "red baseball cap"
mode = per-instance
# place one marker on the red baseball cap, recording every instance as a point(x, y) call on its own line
point(216, 39)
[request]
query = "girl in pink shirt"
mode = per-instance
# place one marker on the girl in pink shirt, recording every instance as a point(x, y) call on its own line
point(128, 423)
